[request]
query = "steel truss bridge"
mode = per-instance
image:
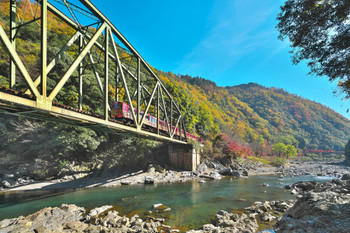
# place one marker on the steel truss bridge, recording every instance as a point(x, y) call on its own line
point(99, 50)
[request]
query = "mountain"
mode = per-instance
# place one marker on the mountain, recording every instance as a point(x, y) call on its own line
point(250, 111)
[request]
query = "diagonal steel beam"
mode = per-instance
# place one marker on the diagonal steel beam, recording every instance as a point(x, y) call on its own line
point(177, 123)
point(97, 76)
point(76, 62)
point(124, 81)
point(18, 62)
point(135, 79)
point(149, 104)
point(58, 56)
point(62, 16)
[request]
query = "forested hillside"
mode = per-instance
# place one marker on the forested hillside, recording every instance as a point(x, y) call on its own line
point(251, 115)
point(250, 112)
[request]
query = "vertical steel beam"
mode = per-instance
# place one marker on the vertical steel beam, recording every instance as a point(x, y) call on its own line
point(138, 91)
point(80, 75)
point(117, 85)
point(44, 49)
point(106, 74)
point(18, 62)
point(158, 112)
point(13, 41)
point(171, 116)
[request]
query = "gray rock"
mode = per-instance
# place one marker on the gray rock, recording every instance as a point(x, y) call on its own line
point(157, 206)
point(97, 211)
point(125, 182)
point(151, 169)
point(236, 174)
point(149, 180)
point(267, 217)
point(185, 174)
point(46, 220)
point(215, 175)
point(5, 184)
point(245, 173)
point(346, 177)
point(202, 167)
point(324, 208)
point(226, 172)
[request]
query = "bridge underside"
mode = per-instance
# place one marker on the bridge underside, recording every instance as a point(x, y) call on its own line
point(13, 104)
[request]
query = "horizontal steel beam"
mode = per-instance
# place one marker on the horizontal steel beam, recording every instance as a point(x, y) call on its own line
point(16, 102)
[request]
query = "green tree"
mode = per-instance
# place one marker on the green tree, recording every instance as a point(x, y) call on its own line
point(290, 151)
point(289, 140)
point(319, 34)
point(279, 148)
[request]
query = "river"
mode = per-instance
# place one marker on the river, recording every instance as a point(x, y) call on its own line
point(192, 204)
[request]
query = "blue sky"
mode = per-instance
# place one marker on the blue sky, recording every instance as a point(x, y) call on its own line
point(227, 41)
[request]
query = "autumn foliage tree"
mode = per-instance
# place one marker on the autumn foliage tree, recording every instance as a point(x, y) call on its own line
point(228, 147)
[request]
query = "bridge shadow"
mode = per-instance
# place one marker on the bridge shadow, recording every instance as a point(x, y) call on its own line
point(90, 181)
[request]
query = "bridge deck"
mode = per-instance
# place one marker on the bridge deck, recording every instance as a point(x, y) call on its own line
point(15, 103)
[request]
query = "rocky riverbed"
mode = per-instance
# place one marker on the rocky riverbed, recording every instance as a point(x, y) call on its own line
point(320, 207)
point(72, 218)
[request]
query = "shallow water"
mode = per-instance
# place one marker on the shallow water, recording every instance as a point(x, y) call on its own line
point(192, 204)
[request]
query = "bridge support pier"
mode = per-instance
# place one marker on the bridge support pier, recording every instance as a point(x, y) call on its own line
point(184, 157)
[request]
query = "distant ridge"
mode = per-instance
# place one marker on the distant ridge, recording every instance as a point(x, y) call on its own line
point(252, 110)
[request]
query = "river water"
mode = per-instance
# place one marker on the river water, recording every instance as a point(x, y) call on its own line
point(192, 204)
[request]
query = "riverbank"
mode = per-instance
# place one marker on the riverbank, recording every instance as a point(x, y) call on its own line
point(206, 171)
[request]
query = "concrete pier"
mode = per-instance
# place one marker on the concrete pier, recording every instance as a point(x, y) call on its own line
point(184, 157)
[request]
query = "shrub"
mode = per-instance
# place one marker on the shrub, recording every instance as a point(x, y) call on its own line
point(256, 159)
point(278, 162)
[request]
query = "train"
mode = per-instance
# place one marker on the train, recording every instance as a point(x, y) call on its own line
point(121, 111)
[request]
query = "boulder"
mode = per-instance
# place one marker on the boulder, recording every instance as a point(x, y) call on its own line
point(185, 174)
point(5, 184)
point(235, 223)
point(346, 177)
point(236, 174)
point(157, 206)
point(226, 172)
point(45, 220)
point(215, 175)
point(151, 168)
point(126, 182)
point(97, 211)
point(202, 167)
point(149, 180)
